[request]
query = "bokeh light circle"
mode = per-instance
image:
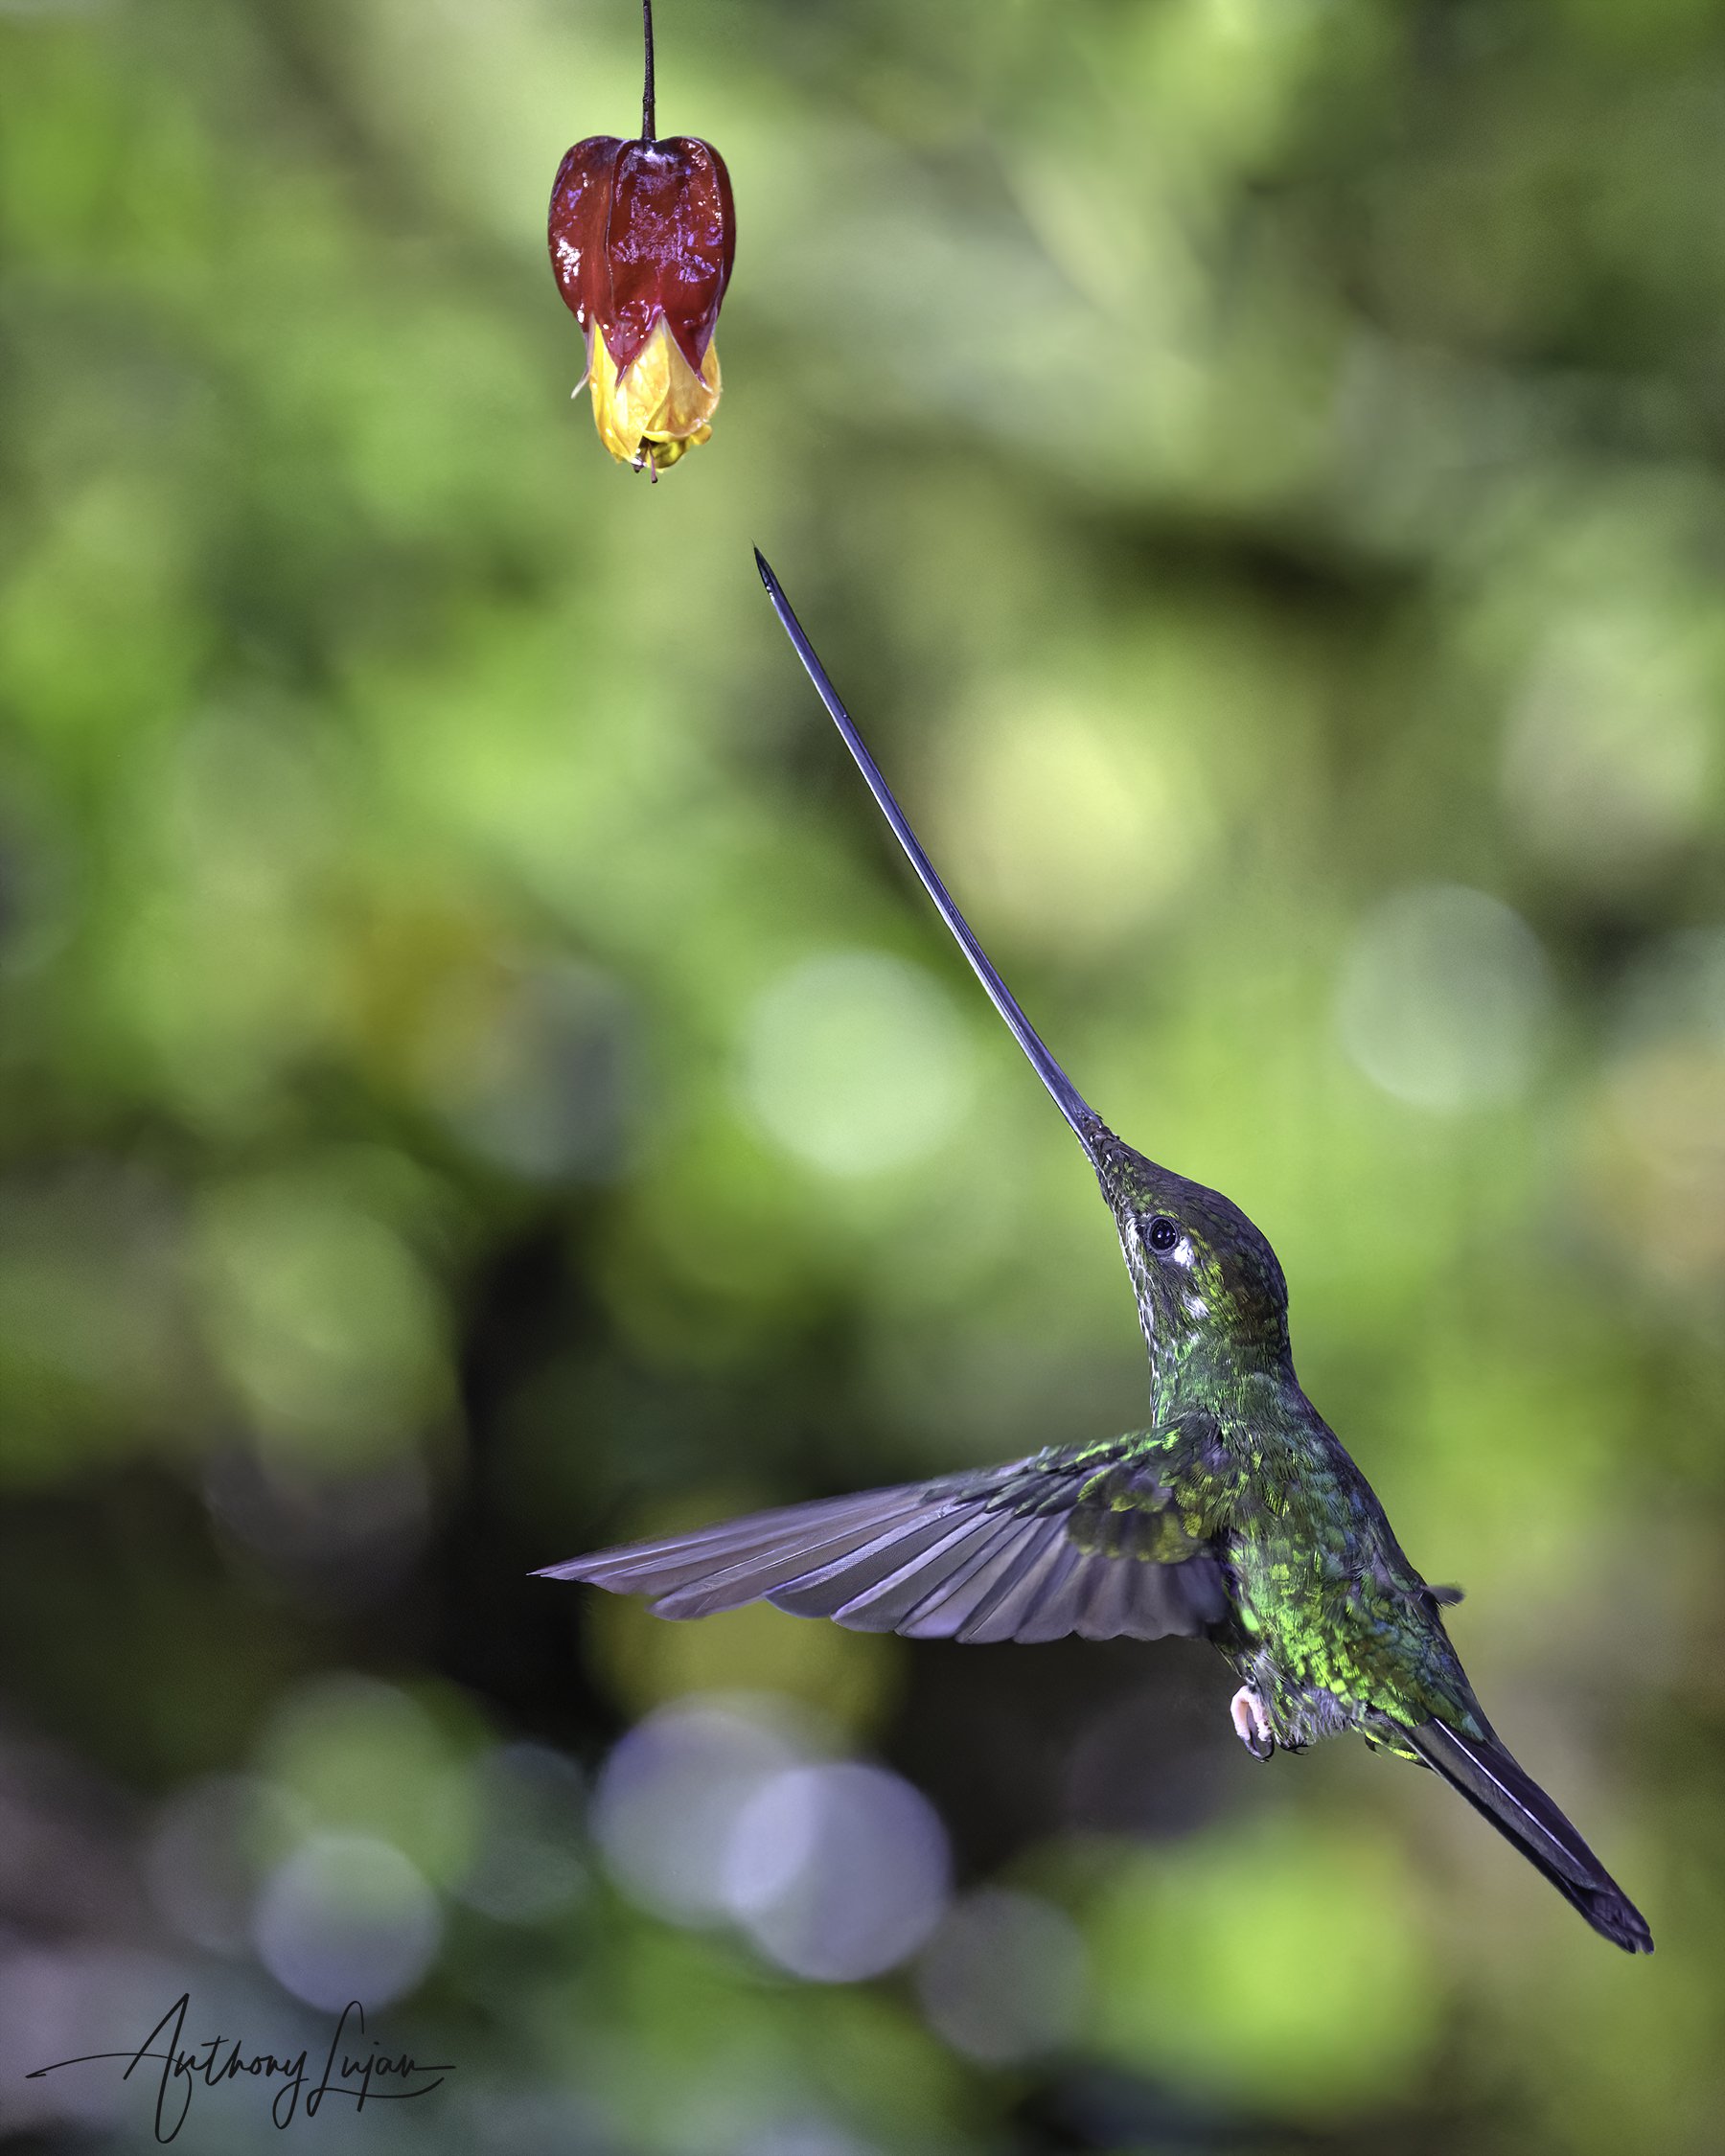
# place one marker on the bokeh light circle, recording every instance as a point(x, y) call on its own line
point(855, 1062)
point(838, 1872)
point(1004, 1977)
point(1444, 998)
point(347, 1917)
point(669, 1798)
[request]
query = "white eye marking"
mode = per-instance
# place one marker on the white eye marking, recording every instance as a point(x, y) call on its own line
point(1181, 1255)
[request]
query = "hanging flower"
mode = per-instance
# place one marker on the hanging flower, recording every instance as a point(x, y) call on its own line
point(642, 236)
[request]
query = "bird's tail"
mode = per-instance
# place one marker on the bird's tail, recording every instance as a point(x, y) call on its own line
point(1482, 1772)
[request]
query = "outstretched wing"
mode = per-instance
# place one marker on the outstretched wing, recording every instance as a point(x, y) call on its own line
point(1086, 1539)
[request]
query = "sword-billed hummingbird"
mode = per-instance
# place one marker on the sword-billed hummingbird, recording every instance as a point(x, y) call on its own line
point(1236, 1516)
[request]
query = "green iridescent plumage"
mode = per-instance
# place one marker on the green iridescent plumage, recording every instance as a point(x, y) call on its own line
point(1331, 1626)
point(1236, 1516)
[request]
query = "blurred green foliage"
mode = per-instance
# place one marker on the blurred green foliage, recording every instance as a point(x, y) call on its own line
point(472, 1082)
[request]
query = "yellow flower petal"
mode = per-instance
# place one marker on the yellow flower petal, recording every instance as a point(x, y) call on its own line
point(658, 407)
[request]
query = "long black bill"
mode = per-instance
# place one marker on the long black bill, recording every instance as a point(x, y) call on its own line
point(1082, 1117)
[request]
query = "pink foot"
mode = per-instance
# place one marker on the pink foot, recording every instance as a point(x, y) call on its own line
point(1252, 1725)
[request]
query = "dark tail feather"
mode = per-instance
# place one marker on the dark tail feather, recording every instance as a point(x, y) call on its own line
point(1521, 1811)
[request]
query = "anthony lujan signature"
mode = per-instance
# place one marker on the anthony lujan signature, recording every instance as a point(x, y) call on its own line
point(375, 2078)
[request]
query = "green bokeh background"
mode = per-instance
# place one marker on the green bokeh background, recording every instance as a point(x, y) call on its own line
point(474, 1083)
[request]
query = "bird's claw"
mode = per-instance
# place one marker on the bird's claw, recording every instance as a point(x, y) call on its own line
point(1252, 1725)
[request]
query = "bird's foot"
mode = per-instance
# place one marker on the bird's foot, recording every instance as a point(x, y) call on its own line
point(1252, 1725)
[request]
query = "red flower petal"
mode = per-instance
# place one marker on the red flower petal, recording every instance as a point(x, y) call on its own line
point(581, 207)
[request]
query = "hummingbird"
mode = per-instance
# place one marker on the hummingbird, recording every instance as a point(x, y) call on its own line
point(1236, 1516)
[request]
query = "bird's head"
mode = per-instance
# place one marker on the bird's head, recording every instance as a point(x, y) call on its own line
point(1202, 1272)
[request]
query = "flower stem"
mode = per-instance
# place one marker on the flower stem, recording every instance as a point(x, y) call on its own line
point(648, 117)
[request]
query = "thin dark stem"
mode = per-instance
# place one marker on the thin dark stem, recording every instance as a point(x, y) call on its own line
point(648, 128)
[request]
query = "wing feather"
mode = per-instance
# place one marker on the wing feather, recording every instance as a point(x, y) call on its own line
point(657, 1566)
point(886, 1606)
point(945, 1608)
point(763, 1569)
point(827, 1590)
point(1085, 1539)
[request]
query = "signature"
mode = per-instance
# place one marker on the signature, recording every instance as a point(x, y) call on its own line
point(214, 2060)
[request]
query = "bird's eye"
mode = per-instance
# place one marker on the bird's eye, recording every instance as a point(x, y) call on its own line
point(1163, 1234)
